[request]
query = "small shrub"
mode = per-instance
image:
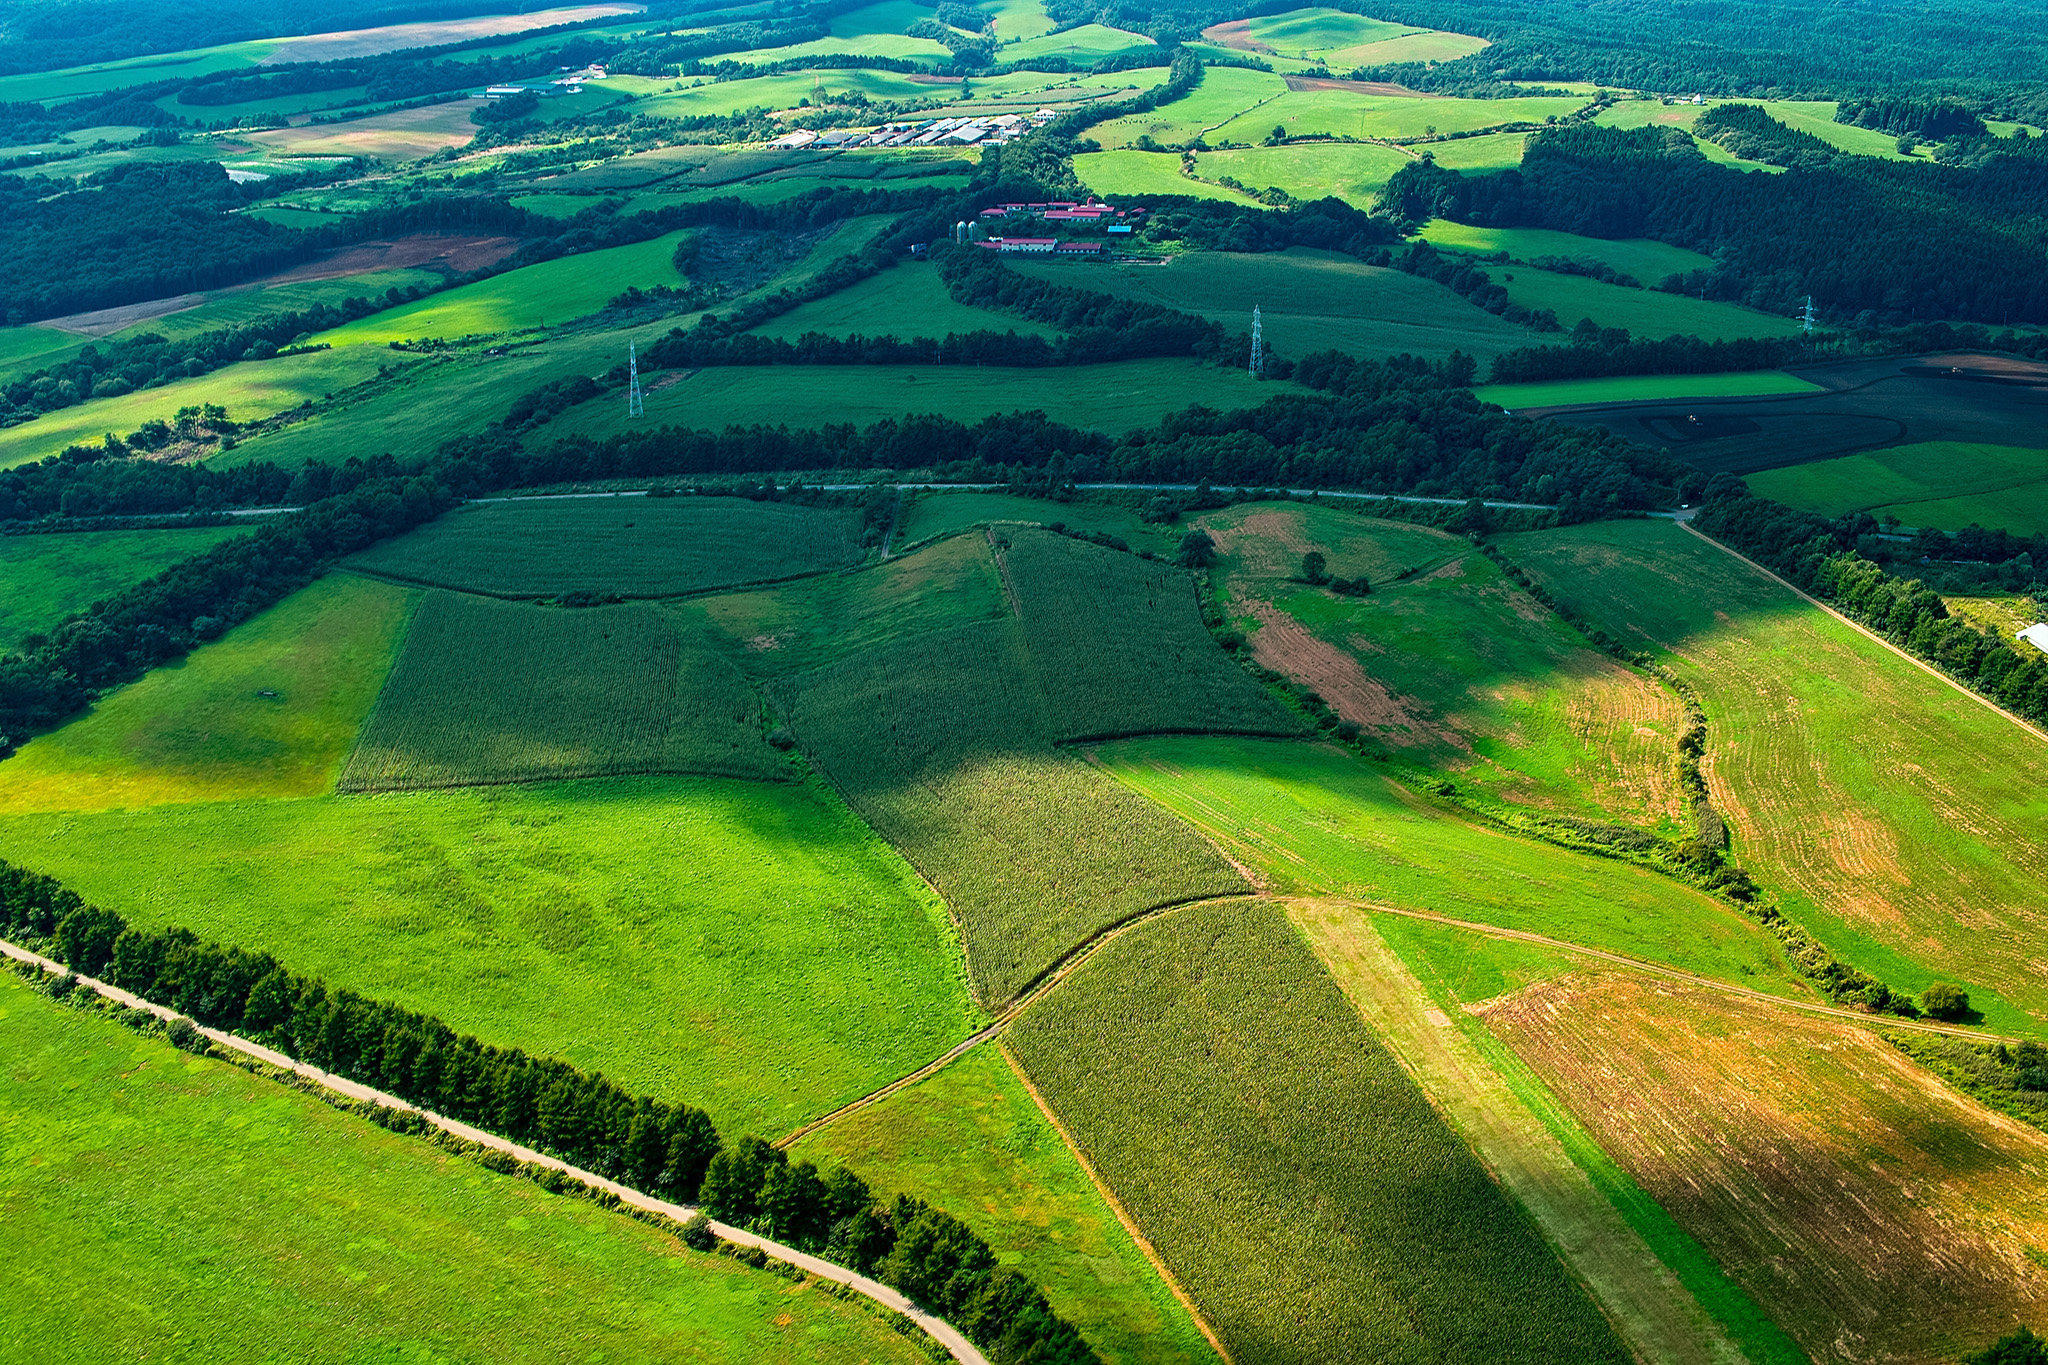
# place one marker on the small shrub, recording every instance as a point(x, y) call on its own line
point(1945, 1002)
point(697, 1233)
point(183, 1036)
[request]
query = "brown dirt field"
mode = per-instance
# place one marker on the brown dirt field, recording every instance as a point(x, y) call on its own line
point(401, 135)
point(1284, 645)
point(450, 253)
point(1355, 87)
point(368, 42)
point(1236, 33)
point(1876, 1215)
point(106, 321)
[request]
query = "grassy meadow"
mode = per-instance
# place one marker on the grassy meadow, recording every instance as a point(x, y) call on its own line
point(1871, 1212)
point(1646, 260)
point(488, 691)
point(1346, 113)
point(1124, 172)
point(749, 947)
point(1646, 313)
point(928, 514)
point(268, 710)
point(910, 301)
point(1214, 1075)
point(1311, 820)
point(1896, 817)
point(1353, 172)
point(1944, 484)
point(971, 1140)
point(171, 1207)
point(1225, 92)
point(1641, 388)
point(1486, 152)
point(635, 547)
point(44, 579)
point(1449, 665)
point(1308, 301)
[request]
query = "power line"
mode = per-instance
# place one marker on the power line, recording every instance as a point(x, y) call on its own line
point(1258, 345)
point(636, 402)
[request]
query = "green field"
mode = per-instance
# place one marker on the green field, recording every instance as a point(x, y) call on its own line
point(45, 578)
point(1944, 484)
point(1317, 32)
point(1641, 388)
point(1425, 46)
point(1116, 396)
point(635, 547)
point(970, 1140)
point(936, 513)
point(167, 1207)
point(1116, 173)
point(1225, 92)
point(488, 691)
point(1088, 43)
point(557, 291)
point(942, 744)
point(1488, 152)
point(1450, 666)
point(749, 947)
point(1308, 301)
point(1807, 116)
point(1894, 815)
point(270, 710)
point(1317, 822)
point(232, 307)
point(1647, 261)
point(1284, 1165)
point(708, 97)
point(909, 301)
point(1346, 113)
point(1353, 172)
point(1646, 313)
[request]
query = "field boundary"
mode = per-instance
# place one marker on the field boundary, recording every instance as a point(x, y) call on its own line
point(2036, 731)
point(951, 1338)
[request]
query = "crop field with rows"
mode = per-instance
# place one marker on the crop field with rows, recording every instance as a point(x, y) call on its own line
point(487, 691)
point(1211, 1070)
point(634, 547)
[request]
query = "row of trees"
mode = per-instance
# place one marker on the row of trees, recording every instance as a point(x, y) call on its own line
point(1611, 351)
point(1819, 555)
point(931, 1256)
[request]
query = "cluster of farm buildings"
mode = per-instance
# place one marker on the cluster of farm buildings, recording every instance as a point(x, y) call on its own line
point(993, 129)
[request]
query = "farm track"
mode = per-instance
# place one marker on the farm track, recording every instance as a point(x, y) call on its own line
point(955, 1342)
point(1870, 634)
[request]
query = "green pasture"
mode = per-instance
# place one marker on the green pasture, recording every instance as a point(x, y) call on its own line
point(1225, 92)
point(936, 513)
point(303, 102)
point(909, 301)
point(32, 347)
point(1308, 301)
point(866, 45)
point(1641, 388)
point(44, 579)
point(1281, 1161)
point(1316, 821)
point(1346, 113)
point(1019, 18)
point(1487, 152)
point(1117, 396)
point(487, 691)
point(634, 547)
point(553, 204)
point(1807, 116)
point(783, 91)
point(171, 1207)
point(234, 307)
point(1944, 484)
point(250, 390)
point(745, 946)
point(1425, 46)
point(269, 710)
point(1891, 813)
point(1450, 665)
point(1314, 32)
point(1646, 260)
point(641, 168)
point(970, 1140)
point(1353, 172)
point(100, 77)
point(1646, 313)
point(557, 291)
point(1219, 52)
point(794, 628)
point(1111, 174)
point(1088, 43)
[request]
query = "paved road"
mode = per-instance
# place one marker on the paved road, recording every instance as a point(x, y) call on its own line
point(941, 1331)
point(1092, 487)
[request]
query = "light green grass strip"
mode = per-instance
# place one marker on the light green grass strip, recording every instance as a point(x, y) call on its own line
point(1640, 388)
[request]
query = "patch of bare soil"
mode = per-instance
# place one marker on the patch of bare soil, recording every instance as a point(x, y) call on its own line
point(1878, 1216)
point(732, 261)
point(369, 42)
point(926, 78)
point(1284, 645)
point(1355, 87)
point(106, 321)
point(450, 253)
point(1236, 33)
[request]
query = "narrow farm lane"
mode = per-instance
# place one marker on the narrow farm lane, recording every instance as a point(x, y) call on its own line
point(941, 1331)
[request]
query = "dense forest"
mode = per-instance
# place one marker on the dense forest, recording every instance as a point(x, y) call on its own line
point(1875, 241)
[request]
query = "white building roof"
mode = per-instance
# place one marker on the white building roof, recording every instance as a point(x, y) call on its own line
point(2036, 635)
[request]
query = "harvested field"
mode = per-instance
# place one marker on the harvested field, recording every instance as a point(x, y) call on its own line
point(107, 321)
point(488, 691)
point(368, 42)
point(402, 135)
point(1119, 646)
point(1881, 1218)
point(450, 253)
point(1355, 87)
point(1900, 820)
point(1286, 1168)
point(634, 547)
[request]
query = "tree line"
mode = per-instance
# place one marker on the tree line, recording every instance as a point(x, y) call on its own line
point(670, 1151)
point(1820, 555)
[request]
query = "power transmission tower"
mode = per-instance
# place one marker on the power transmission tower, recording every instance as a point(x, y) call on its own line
point(1807, 317)
point(1258, 345)
point(636, 402)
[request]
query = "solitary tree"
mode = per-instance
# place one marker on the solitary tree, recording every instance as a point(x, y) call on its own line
point(1944, 1001)
point(1315, 568)
point(1197, 551)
